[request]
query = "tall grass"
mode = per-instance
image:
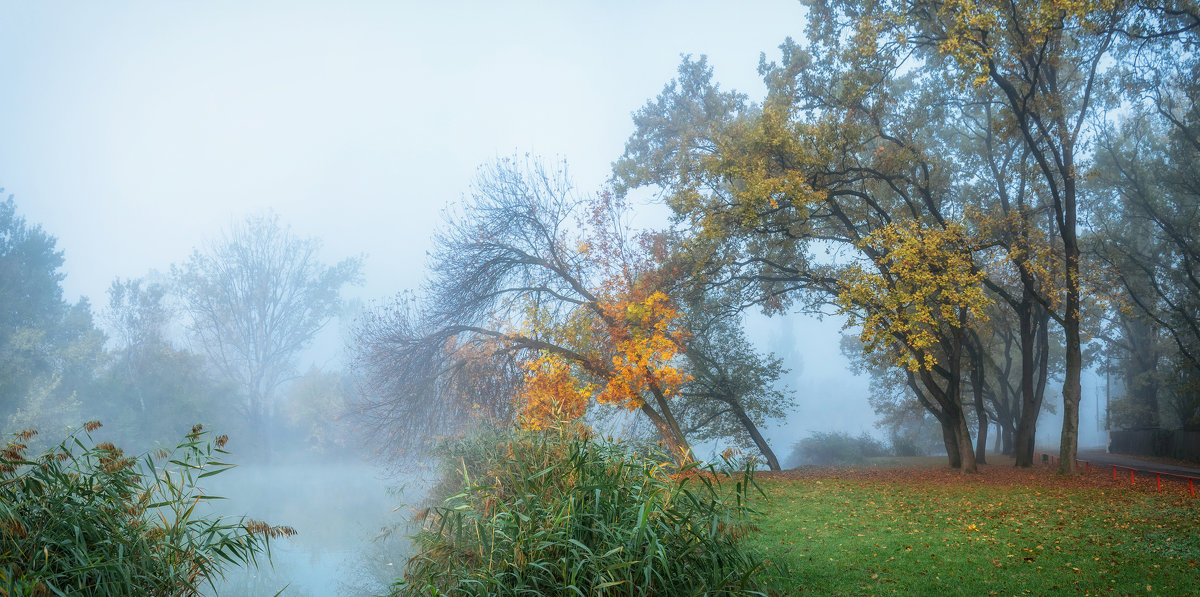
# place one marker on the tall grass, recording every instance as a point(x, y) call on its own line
point(558, 513)
point(82, 518)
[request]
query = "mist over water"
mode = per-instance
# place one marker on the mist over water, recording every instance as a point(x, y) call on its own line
point(349, 517)
point(138, 136)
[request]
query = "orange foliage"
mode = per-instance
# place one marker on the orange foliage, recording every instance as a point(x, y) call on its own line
point(621, 344)
point(551, 393)
point(642, 342)
point(645, 342)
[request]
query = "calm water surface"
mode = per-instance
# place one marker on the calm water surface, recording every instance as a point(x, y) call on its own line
point(341, 512)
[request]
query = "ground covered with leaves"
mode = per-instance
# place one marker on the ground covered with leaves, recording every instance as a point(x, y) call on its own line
point(1004, 531)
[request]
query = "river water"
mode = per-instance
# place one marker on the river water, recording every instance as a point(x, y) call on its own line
point(343, 514)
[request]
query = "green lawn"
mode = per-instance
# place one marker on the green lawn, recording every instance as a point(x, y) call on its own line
point(1002, 532)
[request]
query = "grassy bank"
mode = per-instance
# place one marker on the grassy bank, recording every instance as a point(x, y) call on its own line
point(1004, 531)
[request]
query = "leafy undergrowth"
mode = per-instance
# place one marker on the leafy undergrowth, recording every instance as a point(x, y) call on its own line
point(556, 512)
point(1004, 531)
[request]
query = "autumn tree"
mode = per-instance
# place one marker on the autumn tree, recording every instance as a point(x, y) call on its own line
point(254, 299)
point(861, 127)
point(530, 278)
point(833, 160)
point(1046, 62)
point(922, 298)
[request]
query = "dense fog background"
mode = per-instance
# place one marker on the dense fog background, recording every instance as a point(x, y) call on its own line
point(135, 132)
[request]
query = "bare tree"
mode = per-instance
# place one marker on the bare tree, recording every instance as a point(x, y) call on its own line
point(255, 298)
point(528, 271)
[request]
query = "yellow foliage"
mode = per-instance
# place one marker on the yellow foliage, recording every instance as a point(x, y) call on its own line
point(923, 281)
point(976, 32)
point(760, 159)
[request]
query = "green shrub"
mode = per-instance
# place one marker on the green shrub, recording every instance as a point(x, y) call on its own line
point(85, 519)
point(903, 445)
point(836, 448)
point(557, 513)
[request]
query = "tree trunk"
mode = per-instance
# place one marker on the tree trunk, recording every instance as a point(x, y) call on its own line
point(950, 438)
point(967, 452)
point(1072, 390)
point(953, 400)
point(955, 435)
point(1031, 406)
point(981, 414)
point(1005, 430)
point(954, 425)
point(680, 451)
point(957, 438)
point(980, 409)
point(1004, 403)
point(752, 429)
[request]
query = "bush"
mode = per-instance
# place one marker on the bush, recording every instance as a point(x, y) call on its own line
point(836, 448)
point(903, 445)
point(85, 519)
point(557, 513)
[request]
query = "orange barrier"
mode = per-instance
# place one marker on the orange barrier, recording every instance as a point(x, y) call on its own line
point(1158, 475)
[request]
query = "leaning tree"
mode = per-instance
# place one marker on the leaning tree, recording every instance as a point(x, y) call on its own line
point(540, 302)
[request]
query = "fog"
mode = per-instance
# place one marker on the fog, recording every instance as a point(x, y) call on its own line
point(349, 517)
point(135, 132)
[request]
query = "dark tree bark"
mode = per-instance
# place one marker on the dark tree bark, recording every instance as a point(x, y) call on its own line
point(759, 441)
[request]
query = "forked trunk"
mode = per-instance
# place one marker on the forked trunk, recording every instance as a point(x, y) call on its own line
point(1034, 357)
point(668, 428)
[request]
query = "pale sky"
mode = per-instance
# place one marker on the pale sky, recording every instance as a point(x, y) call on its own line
point(134, 131)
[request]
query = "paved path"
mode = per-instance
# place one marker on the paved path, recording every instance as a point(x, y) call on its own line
point(1099, 458)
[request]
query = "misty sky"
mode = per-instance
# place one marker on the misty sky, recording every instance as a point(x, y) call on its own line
point(133, 131)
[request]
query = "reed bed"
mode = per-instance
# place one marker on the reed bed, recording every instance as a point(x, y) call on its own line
point(561, 513)
point(84, 519)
